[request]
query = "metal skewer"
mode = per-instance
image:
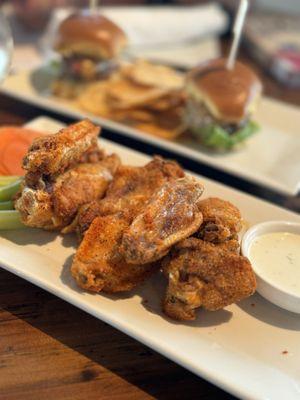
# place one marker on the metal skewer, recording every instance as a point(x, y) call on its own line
point(93, 6)
point(237, 32)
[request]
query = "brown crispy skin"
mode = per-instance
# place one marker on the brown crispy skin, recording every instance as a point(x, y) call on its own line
point(130, 190)
point(53, 154)
point(202, 274)
point(221, 220)
point(81, 184)
point(55, 205)
point(63, 172)
point(170, 215)
point(97, 266)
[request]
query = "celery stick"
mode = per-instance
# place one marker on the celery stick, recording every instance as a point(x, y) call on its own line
point(10, 220)
point(6, 180)
point(6, 205)
point(8, 191)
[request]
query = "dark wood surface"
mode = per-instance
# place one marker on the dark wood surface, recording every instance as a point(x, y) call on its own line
point(51, 350)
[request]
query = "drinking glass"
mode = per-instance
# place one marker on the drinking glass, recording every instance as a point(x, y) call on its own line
point(6, 47)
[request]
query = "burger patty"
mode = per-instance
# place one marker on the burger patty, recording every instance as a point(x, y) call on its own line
point(87, 69)
point(197, 116)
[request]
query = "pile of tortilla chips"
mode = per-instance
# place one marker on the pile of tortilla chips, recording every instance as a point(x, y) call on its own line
point(142, 95)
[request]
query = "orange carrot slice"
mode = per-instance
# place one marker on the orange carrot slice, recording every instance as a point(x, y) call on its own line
point(14, 143)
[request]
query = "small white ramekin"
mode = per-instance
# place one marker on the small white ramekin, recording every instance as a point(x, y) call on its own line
point(267, 289)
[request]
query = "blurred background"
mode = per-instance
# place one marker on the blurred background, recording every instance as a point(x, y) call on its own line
point(181, 33)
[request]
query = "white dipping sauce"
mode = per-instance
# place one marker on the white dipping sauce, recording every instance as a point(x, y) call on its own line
point(276, 257)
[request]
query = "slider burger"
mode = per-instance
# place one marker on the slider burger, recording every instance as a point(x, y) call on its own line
point(89, 45)
point(221, 103)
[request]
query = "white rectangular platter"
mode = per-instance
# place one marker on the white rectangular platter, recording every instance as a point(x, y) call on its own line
point(270, 158)
point(242, 349)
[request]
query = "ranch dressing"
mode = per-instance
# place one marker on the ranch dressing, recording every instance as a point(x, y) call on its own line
point(276, 257)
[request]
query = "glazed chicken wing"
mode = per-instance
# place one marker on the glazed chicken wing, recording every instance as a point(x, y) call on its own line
point(129, 191)
point(203, 274)
point(221, 220)
point(97, 265)
point(171, 214)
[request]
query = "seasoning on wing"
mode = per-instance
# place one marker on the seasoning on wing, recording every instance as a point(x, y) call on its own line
point(53, 154)
point(97, 265)
point(63, 172)
point(129, 191)
point(221, 220)
point(82, 183)
point(203, 274)
point(170, 215)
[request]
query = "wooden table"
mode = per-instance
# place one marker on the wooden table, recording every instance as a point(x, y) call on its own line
point(51, 350)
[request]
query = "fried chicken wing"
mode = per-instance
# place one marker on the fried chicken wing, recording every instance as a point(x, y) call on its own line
point(53, 154)
point(63, 172)
point(97, 265)
point(170, 215)
point(129, 191)
point(82, 183)
point(221, 220)
point(203, 274)
point(55, 205)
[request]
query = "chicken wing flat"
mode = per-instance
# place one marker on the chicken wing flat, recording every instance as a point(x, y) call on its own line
point(53, 154)
point(81, 184)
point(54, 204)
point(202, 274)
point(97, 265)
point(221, 220)
point(170, 215)
point(130, 190)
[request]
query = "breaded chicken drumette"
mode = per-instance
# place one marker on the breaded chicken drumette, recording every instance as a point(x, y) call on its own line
point(221, 220)
point(203, 274)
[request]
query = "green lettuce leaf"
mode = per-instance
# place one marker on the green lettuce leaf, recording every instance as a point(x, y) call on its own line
point(216, 137)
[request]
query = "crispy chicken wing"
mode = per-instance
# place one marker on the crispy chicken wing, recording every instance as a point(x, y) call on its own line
point(55, 205)
point(97, 265)
point(170, 215)
point(129, 191)
point(82, 183)
point(221, 220)
point(205, 274)
point(53, 154)
point(63, 172)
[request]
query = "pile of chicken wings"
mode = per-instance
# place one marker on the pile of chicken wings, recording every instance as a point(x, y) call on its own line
point(133, 222)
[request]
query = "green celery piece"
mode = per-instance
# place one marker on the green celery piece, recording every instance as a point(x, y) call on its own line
point(6, 205)
point(10, 220)
point(8, 191)
point(6, 180)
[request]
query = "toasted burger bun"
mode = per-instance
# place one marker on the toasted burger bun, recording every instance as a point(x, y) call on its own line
point(90, 35)
point(229, 95)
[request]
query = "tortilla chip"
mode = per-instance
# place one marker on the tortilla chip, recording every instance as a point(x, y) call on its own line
point(94, 99)
point(159, 131)
point(125, 94)
point(132, 116)
point(151, 75)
